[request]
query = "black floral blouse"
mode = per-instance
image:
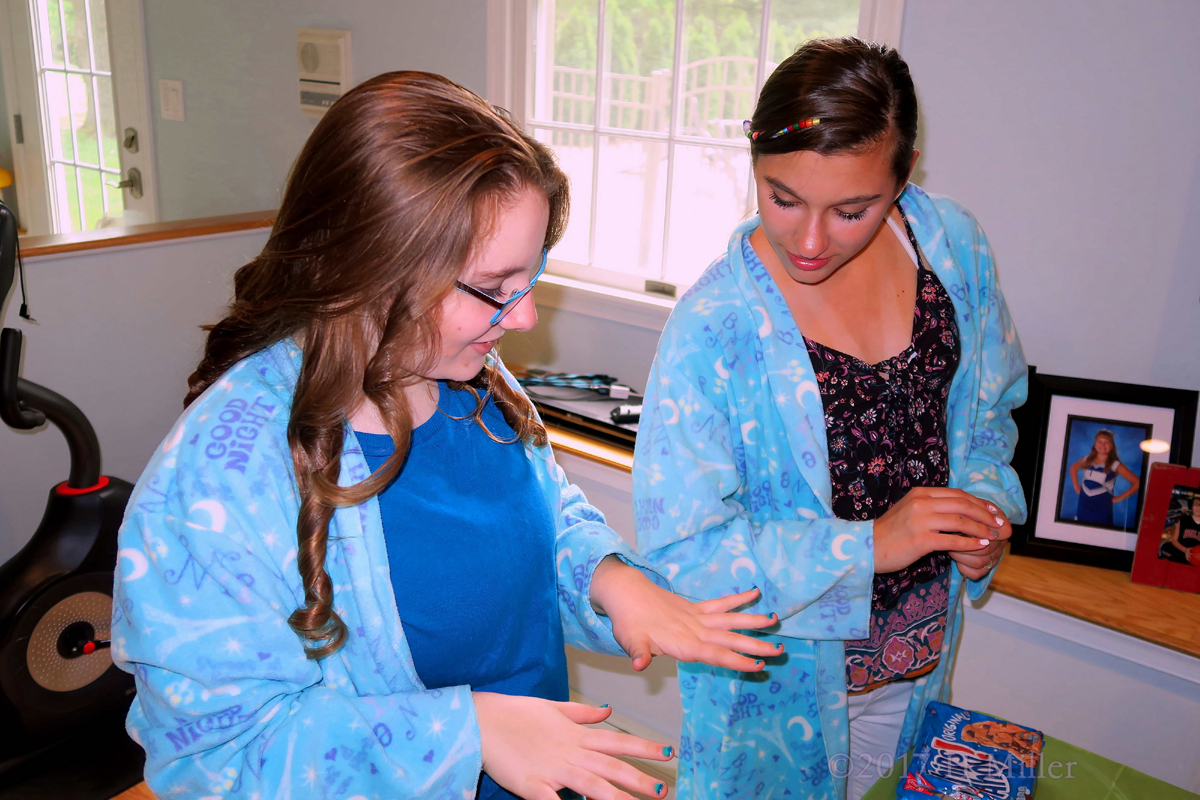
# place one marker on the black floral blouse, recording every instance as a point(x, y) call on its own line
point(886, 430)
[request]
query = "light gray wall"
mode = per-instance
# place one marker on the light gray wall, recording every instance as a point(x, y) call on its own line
point(9, 195)
point(117, 334)
point(1072, 130)
point(237, 61)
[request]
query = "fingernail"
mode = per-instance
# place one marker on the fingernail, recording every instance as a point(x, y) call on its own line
point(993, 509)
point(779, 645)
point(999, 521)
point(985, 542)
point(658, 788)
point(774, 616)
point(758, 662)
point(606, 705)
point(668, 751)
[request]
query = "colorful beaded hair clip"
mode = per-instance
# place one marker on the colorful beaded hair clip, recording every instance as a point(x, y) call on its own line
point(804, 123)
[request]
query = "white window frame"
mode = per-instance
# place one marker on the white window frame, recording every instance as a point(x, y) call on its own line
point(511, 36)
point(22, 87)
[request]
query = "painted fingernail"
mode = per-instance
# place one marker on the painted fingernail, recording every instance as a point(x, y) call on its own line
point(993, 509)
point(668, 751)
point(659, 787)
point(606, 705)
point(999, 521)
point(779, 645)
point(774, 616)
point(985, 542)
point(758, 662)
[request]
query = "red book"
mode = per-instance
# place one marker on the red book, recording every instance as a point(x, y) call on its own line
point(1168, 545)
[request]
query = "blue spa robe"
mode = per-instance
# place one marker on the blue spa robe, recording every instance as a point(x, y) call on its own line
point(228, 705)
point(732, 489)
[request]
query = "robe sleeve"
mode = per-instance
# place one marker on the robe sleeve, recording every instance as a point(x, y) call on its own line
point(816, 573)
point(1003, 386)
point(228, 703)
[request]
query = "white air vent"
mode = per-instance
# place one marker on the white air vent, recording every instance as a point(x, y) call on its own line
point(323, 60)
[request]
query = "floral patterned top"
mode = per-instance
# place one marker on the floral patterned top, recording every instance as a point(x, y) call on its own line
point(886, 428)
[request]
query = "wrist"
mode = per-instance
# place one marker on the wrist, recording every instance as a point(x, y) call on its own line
point(609, 579)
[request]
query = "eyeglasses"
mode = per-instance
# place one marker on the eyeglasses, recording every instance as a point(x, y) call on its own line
point(505, 306)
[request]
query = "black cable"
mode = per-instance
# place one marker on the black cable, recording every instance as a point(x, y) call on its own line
point(24, 312)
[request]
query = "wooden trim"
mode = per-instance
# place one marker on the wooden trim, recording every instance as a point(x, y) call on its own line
point(586, 447)
point(1102, 597)
point(59, 243)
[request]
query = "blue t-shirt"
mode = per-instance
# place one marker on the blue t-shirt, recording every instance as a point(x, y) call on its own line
point(470, 541)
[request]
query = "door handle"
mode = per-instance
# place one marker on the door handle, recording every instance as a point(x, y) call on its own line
point(133, 183)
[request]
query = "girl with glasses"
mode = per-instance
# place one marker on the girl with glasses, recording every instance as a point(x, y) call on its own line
point(828, 418)
point(356, 562)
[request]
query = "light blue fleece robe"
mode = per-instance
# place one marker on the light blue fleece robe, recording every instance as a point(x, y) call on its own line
point(732, 489)
point(228, 705)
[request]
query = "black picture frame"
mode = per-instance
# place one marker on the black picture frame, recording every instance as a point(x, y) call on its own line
point(1030, 459)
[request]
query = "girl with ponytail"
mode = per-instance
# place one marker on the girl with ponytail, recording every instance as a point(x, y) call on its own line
point(361, 561)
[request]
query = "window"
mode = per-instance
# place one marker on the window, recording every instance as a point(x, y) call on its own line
point(643, 102)
point(75, 85)
point(76, 88)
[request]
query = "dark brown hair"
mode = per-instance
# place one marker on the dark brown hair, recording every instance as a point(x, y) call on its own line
point(861, 91)
point(399, 179)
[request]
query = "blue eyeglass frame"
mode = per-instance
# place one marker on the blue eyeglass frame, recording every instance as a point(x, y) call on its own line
point(502, 308)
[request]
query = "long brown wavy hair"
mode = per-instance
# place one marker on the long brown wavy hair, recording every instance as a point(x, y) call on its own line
point(400, 179)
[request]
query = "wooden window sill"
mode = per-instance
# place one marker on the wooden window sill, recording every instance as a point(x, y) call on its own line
point(1102, 597)
point(60, 243)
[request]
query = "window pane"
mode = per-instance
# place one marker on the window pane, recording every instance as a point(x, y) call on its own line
point(721, 55)
point(66, 192)
point(93, 197)
point(96, 9)
point(639, 50)
point(105, 108)
point(59, 116)
point(50, 27)
point(76, 30)
point(83, 117)
point(629, 219)
point(574, 151)
point(566, 80)
point(707, 200)
point(793, 22)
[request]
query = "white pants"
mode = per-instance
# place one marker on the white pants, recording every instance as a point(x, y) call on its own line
point(875, 721)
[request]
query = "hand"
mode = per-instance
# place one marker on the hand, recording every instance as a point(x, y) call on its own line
point(649, 621)
point(975, 564)
point(929, 518)
point(534, 747)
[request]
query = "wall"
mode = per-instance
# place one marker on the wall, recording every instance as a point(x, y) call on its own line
point(9, 195)
point(1072, 131)
point(237, 61)
point(117, 333)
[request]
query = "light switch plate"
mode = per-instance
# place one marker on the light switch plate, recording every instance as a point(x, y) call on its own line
point(170, 100)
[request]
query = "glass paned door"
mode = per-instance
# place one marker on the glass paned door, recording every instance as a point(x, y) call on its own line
point(75, 89)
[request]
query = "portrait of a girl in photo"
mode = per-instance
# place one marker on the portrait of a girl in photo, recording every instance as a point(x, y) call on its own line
point(1099, 488)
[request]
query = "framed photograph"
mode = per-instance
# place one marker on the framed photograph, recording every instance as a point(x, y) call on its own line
point(1168, 549)
point(1084, 453)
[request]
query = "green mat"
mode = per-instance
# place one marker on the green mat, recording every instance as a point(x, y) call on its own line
point(1090, 777)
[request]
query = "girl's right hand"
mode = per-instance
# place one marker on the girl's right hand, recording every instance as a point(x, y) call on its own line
point(534, 747)
point(927, 519)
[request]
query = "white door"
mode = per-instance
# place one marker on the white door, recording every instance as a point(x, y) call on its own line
point(79, 124)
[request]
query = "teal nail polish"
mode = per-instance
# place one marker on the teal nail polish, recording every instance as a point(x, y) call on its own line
point(658, 788)
point(758, 662)
point(606, 705)
point(668, 751)
point(779, 645)
point(774, 616)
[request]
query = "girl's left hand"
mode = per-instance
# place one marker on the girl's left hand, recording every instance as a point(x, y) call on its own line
point(975, 564)
point(649, 621)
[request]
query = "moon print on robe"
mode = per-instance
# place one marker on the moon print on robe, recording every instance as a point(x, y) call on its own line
point(216, 515)
point(805, 387)
point(674, 418)
point(836, 547)
point(765, 329)
point(743, 562)
point(138, 565)
point(719, 368)
point(808, 731)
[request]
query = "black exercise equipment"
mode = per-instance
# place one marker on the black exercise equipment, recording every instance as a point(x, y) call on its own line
point(57, 679)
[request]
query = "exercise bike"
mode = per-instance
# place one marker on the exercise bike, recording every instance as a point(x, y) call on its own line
point(57, 679)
